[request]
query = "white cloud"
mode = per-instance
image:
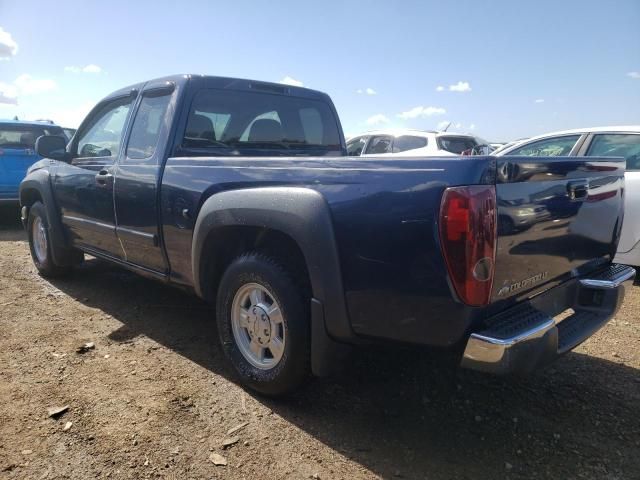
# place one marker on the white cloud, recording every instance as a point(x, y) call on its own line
point(377, 119)
point(421, 111)
point(71, 117)
point(91, 68)
point(8, 46)
point(8, 94)
point(472, 126)
point(7, 100)
point(27, 85)
point(634, 75)
point(439, 88)
point(291, 81)
point(368, 91)
point(539, 100)
point(460, 87)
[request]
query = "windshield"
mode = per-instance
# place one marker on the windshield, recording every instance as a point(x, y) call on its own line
point(24, 136)
point(255, 123)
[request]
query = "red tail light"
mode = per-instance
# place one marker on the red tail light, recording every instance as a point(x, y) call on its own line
point(468, 238)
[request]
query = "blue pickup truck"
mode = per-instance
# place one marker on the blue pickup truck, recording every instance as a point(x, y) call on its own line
point(241, 192)
point(17, 154)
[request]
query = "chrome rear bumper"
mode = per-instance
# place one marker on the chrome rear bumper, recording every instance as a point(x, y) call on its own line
point(533, 333)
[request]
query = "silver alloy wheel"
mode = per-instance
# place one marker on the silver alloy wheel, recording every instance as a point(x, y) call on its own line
point(258, 326)
point(39, 235)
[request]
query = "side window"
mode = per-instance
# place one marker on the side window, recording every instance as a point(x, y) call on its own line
point(379, 144)
point(549, 147)
point(408, 142)
point(103, 136)
point(146, 126)
point(617, 145)
point(355, 146)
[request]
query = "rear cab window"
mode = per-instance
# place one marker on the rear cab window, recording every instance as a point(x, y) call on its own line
point(617, 145)
point(231, 122)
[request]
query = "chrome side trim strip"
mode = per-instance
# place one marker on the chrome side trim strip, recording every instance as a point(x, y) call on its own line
point(137, 236)
point(88, 224)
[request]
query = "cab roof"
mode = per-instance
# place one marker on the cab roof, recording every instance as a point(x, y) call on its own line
point(211, 81)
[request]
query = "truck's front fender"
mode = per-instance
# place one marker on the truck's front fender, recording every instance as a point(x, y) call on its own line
point(37, 186)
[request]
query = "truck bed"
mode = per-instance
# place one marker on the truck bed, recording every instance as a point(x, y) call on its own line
point(385, 221)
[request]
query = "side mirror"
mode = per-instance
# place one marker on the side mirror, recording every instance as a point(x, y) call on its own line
point(52, 146)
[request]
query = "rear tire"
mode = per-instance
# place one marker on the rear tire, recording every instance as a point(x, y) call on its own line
point(40, 243)
point(263, 323)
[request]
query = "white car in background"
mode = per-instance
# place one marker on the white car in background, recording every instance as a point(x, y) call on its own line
point(599, 142)
point(411, 143)
point(508, 145)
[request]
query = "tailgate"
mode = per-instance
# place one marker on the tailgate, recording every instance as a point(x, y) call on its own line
point(557, 218)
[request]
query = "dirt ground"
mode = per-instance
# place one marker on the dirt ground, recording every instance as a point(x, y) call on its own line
point(155, 398)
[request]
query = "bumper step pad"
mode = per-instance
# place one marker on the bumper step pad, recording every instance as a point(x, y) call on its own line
point(526, 337)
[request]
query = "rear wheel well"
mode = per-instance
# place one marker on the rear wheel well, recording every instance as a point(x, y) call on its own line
point(224, 244)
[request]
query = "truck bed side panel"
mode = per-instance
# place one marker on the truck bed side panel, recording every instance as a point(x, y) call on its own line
point(385, 223)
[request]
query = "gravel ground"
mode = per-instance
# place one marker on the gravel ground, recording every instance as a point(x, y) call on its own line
point(154, 398)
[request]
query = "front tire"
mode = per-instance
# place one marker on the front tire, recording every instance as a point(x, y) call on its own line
point(263, 323)
point(40, 243)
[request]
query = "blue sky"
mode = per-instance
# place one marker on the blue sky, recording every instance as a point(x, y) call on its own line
point(506, 69)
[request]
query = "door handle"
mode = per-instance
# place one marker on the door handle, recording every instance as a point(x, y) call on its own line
point(104, 179)
point(578, 191)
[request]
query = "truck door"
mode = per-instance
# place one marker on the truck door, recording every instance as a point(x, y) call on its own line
point(84, 186)
point(137, 179)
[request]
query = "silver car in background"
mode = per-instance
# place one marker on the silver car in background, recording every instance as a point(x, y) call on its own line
point(408, 143)
point(622, 141)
